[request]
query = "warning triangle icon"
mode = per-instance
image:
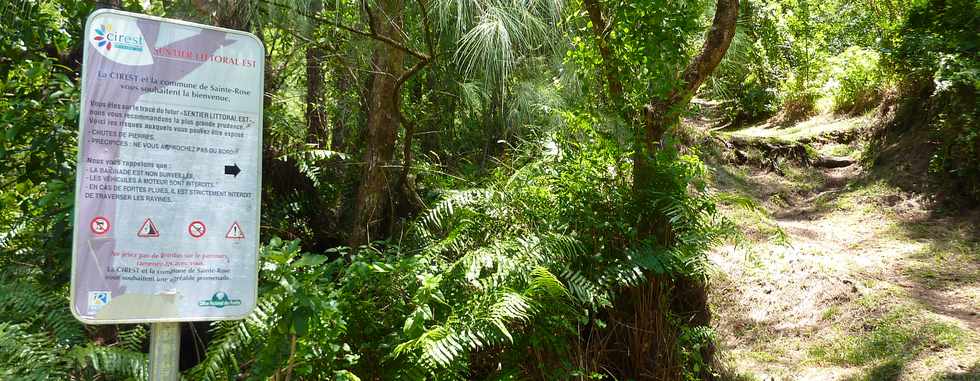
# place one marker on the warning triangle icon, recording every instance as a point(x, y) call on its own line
point(235, 232)
point(148, 230)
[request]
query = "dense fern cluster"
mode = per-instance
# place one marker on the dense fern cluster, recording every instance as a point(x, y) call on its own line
point(498, 280)
point(491, 281)
point(40, 340)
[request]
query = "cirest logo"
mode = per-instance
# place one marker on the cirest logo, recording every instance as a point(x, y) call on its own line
point(106, 38)
point(97, 300)
point(219, 300)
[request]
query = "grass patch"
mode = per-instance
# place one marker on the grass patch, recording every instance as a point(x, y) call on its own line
point(889, 342)
point(732, 178)
point(840, 150)
point(738, 197)
point(754, 226)
point(950, 258)
point(886, 371)
point(807, 130)
point(869, 197)
point(830, 313)
point(764, 356)
point(803, 179)
point(727, 372)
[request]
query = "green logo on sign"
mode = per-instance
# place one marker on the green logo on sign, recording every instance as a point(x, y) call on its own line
point(219, 300)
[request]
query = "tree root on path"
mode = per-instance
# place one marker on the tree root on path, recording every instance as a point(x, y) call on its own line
point(771, 154)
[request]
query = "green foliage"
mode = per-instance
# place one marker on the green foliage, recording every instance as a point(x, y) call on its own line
point(484, 276)
point(495, 34)
point(956, 161)
point(799, 101)
point(38, 115)
point(650, 43)
point(530, 235)
point(855, 80)
point(937, 43)
point(692, 340)
point(937, 40)
point(25, 355)
point(789, 54)
point(748, 78)
point(40, 339)
point(294, 328)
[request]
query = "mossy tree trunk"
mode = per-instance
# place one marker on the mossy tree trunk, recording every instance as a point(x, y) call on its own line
point(371, 212)
point(650, 342)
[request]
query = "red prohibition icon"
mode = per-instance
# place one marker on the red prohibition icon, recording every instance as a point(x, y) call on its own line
point(197, 229)
point(100, 225)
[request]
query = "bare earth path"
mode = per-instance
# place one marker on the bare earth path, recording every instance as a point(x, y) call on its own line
point(844, 276)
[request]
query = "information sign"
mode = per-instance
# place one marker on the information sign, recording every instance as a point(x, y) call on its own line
point(168, 107)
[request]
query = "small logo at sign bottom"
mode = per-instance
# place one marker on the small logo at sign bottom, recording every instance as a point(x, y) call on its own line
point(219, 300)
point(97, 300)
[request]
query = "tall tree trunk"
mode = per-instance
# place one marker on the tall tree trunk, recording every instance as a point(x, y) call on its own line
point(689, 299)
point(316, 132)
point(371, 214)
point(686, 297)
point(342, 82)
point(493, 126)
point(661, 114)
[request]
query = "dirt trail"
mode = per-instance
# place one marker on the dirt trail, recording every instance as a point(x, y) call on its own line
point(844, 276)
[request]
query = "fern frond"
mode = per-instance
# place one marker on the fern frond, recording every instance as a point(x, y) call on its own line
point(25, 355)
point(132, 339)
point(111, 361)
point(232, 338)
point(545, 283)
point(25, 301)
point(436, 218)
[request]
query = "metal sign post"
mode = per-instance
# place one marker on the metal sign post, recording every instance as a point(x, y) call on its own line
point(169, 177)
point(164, 351)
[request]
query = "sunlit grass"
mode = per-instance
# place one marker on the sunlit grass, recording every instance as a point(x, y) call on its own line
point(841, 150)
point(812, 128)
point(884, 345)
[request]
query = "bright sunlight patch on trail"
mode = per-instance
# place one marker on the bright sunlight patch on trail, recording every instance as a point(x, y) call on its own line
point(843, 277)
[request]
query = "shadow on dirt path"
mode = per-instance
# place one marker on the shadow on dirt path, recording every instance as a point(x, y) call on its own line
point(843, 276)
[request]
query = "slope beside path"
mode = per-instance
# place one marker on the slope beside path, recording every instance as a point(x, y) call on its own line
point(841, 275)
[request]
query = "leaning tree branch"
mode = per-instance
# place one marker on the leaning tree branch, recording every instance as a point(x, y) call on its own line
point(421, 63)
point(715, 46)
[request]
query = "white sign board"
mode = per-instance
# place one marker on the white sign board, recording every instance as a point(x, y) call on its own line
point(169, 172)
